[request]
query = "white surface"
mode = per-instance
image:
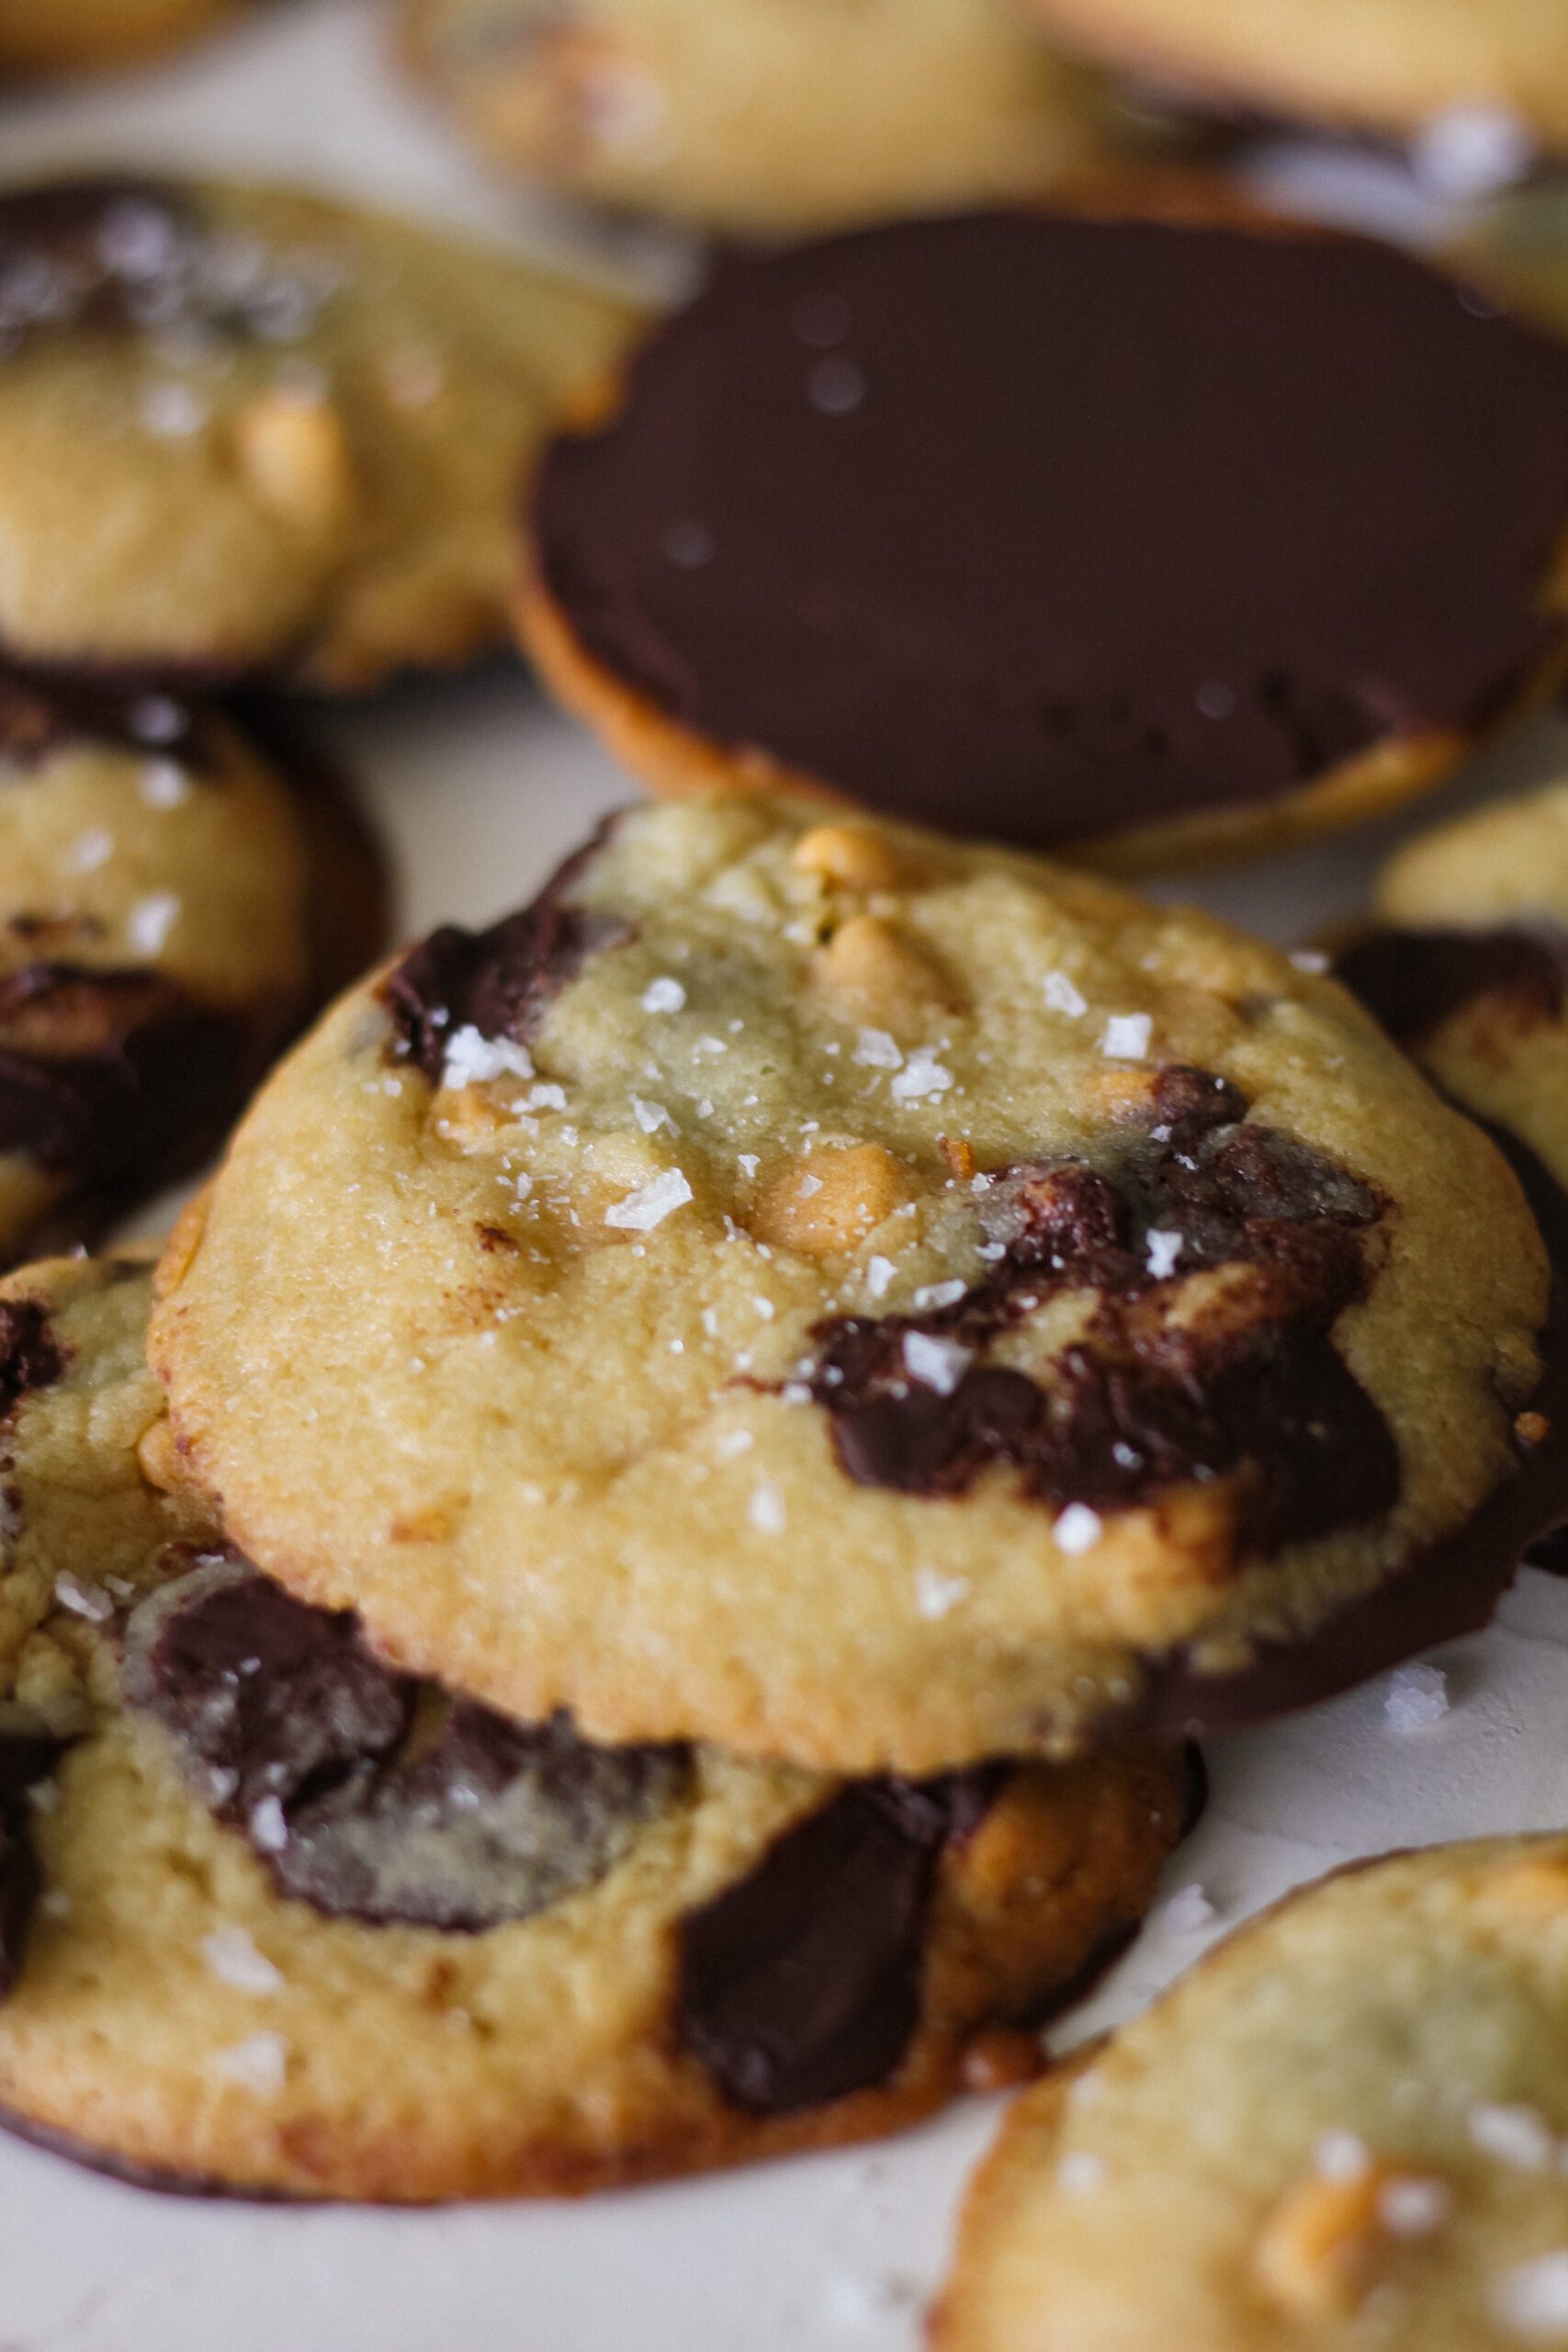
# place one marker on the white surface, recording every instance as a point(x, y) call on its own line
point(481, 789)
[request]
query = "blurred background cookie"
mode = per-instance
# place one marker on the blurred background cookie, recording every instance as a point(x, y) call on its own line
point(246, 432)
point(852, 1295)
point(1382, 65)
point(766, 116)
point(76, 35)
point(174, 900)
point(1345, 2127)
point(274, 1918)
point(1151, 539)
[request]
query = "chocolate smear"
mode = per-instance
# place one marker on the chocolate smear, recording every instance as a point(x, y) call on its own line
point(44, 712)
point(1140, 1404)
point(1416, 980)
point(366, 1794)
point(1076, 524)
point(24, 1762)
point(31, 1355)
point(500, 981)
point(802, 1983)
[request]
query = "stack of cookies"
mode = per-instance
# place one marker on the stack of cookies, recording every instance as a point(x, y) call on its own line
point(635, 1585)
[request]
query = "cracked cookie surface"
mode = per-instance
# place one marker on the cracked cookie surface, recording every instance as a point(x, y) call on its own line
point(849, 1296)
point(294, 428)
point(1343, 2127)
point(275, 1918)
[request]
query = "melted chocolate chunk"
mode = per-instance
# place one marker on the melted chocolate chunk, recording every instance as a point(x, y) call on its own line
point(500, 981)
point(41, 714)
point(105, 1074)
point(1448, 1589)
point(1140, 1406)
point(1415, 980)
point(1078, 524)
point(24, 1762)
point(801, 1984)
point(387, 1802)
point(31, 1355)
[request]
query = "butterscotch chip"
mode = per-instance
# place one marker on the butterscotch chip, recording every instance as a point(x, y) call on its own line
point(830, 1199)
point(295, 454)
point(850, 857)
point(872, 968)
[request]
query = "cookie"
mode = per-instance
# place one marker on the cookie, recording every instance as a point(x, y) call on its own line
point(1469, 965)
point(246, 431)
point(1391, 66)
point(176, 896)
point(1343, 2127)
point(1238, 531)
point(852, 1295)
point(275, 1919)
point(768, 115)
point(74, 36)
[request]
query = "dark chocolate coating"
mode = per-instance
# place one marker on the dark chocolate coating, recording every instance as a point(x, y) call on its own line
point(23, 1763)
point(802, 1983)
point(1449, 1588)
point(1138, 1407)
point(500, 981)
point(43, 712)
point(31, 1355)
point(1045, 527)
point(1415, 980)
point(394, 1804)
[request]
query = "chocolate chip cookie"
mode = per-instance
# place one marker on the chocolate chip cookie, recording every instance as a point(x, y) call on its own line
point(243, 431)
point(1390, 66)
point(275, 1918)
point(765, 116)
point(852, 1295)
point(1345, 2127)
point(71, 36)
point(176, 895)
point(1237, 531)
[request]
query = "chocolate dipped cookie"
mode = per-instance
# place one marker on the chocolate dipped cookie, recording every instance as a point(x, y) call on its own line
point(277, 1919)
point(1141, 537)
point(1345, 2127)
point(243, 432)
point(848, 1294)
point(766, 117)
point(178, 891)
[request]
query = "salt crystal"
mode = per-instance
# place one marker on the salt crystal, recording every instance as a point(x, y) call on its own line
point(1188, 1913)
point(935, 1362)
point(663, 996)
point(472, 1059)
point(1309, 959)
point(1415, 1698)
point(809, 1184)
point(1061, 996)
point(260, 2063)
point(233, 1959)
point(936, 1595)
point(1515, 2135)
point(1080, 2173)
point(764, 1308)
point(938, 1295)
point(90, 850)
point(877, 1050)
point(82, 1598)
point(1077, 1529)
point(1126, 1037)
point(732, 1442)
point(1338, 2155)
point(546, 1097)
point(150, 919)
point(1414, 2208)
point(652, 1203)
point(766, 1510)
point(748, 1163)
point(650, 1117)
point(1471, 150)
point(268, 1825)
point(1531, 2300)
point(1164, 1249)
point(879, 1275)
point(164, 784)
point(172, 411)
point(922, 1076)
